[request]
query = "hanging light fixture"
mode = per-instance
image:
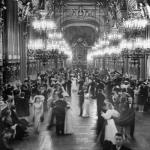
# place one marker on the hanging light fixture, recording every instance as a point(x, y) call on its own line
point(135, 24)
point(36, 44)
point(55, 35)
point(136, 21)
point(114, 35)
point(44, 25)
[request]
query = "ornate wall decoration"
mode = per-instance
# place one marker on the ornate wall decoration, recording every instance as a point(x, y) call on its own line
point(25, 9)
point(79, 53)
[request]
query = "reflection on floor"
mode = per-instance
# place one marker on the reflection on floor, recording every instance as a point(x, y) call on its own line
point(84, 134)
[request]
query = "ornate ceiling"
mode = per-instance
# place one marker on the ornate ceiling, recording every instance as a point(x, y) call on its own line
point(80, 19)
point(77, 18)
point(87, 17)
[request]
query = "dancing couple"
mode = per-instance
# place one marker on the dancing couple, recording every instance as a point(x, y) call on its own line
point(60, 109)
point(109, 128)
point(84, 100)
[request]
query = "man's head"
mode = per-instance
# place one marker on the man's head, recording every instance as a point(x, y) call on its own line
point(119, 139)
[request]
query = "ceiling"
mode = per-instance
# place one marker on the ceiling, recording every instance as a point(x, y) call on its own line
point(80, 19)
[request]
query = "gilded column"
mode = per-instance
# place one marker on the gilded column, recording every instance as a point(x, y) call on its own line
point(23, 51)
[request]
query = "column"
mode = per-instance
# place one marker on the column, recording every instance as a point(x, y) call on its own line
point(142, 69)
point(23, 51)
point(126, 65)
point(5, 45)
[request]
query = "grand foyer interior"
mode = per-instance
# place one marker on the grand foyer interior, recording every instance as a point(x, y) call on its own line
point(41, 35)
point(34, 33)
point(97, 33)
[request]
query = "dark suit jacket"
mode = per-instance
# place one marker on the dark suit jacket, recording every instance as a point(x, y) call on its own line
point(122, 148)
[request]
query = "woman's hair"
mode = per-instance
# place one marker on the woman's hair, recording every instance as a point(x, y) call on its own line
point(119, 134)
point(109, 104)
point(36, 99)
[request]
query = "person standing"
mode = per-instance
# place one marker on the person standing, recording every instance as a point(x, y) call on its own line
point(86, 105)
point(69, 86)
point(81, 98)
point(59, 112)
point(100, 103)
point(68, 128)
point(110, 127)
point(38, 112)
point(143, 95)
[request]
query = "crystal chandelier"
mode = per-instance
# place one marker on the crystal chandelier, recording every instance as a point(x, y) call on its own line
point(55, 35)
point(36, 44)
point(136, 21)
point(135, 24)
point(44, 25)
point(114, 35)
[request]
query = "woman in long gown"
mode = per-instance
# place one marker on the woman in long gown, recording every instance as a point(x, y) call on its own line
point(74, 84)
point(38, 111)
point(110, 127)
point(68, 129)
point(51, 95)
point(86, 105)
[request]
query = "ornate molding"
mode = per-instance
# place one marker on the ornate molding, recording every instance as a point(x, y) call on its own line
point(2, 9)
point(81, 24)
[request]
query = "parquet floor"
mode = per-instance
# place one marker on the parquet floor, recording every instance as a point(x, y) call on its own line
point(84, 134)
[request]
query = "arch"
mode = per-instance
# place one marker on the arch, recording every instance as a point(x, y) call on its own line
point(80, 24)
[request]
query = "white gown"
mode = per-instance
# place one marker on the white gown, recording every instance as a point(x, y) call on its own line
point(110, 128)
point(68, 129)
point(74, 84)
point(86, 105)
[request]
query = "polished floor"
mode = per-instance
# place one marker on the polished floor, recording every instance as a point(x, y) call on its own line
point(84, 134)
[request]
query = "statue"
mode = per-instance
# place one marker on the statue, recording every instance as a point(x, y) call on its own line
point(147, 9)
point(2, 8)
point(141, 7)
point(35, 4)
point(73, 12)
point(42, 4)
point(24, 10)
point(81, 12)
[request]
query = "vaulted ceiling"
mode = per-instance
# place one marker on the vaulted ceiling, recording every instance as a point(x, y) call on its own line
point(80, 19)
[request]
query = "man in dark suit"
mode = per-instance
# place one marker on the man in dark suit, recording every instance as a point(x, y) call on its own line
point(59, 112)
point(119, 143)
point(81, 98)
point(69, 86)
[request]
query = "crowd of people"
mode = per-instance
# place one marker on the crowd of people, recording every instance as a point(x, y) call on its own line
point(48, 97)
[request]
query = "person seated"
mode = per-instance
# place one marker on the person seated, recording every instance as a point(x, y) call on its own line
point(5, 137)
point(10, 120)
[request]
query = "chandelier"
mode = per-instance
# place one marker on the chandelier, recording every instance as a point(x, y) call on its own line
point(135, 24)
point(36, 44)
point(136, 21)
point(55, 35)
point(44, 25)
point(138, 43)
point(114, 35)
